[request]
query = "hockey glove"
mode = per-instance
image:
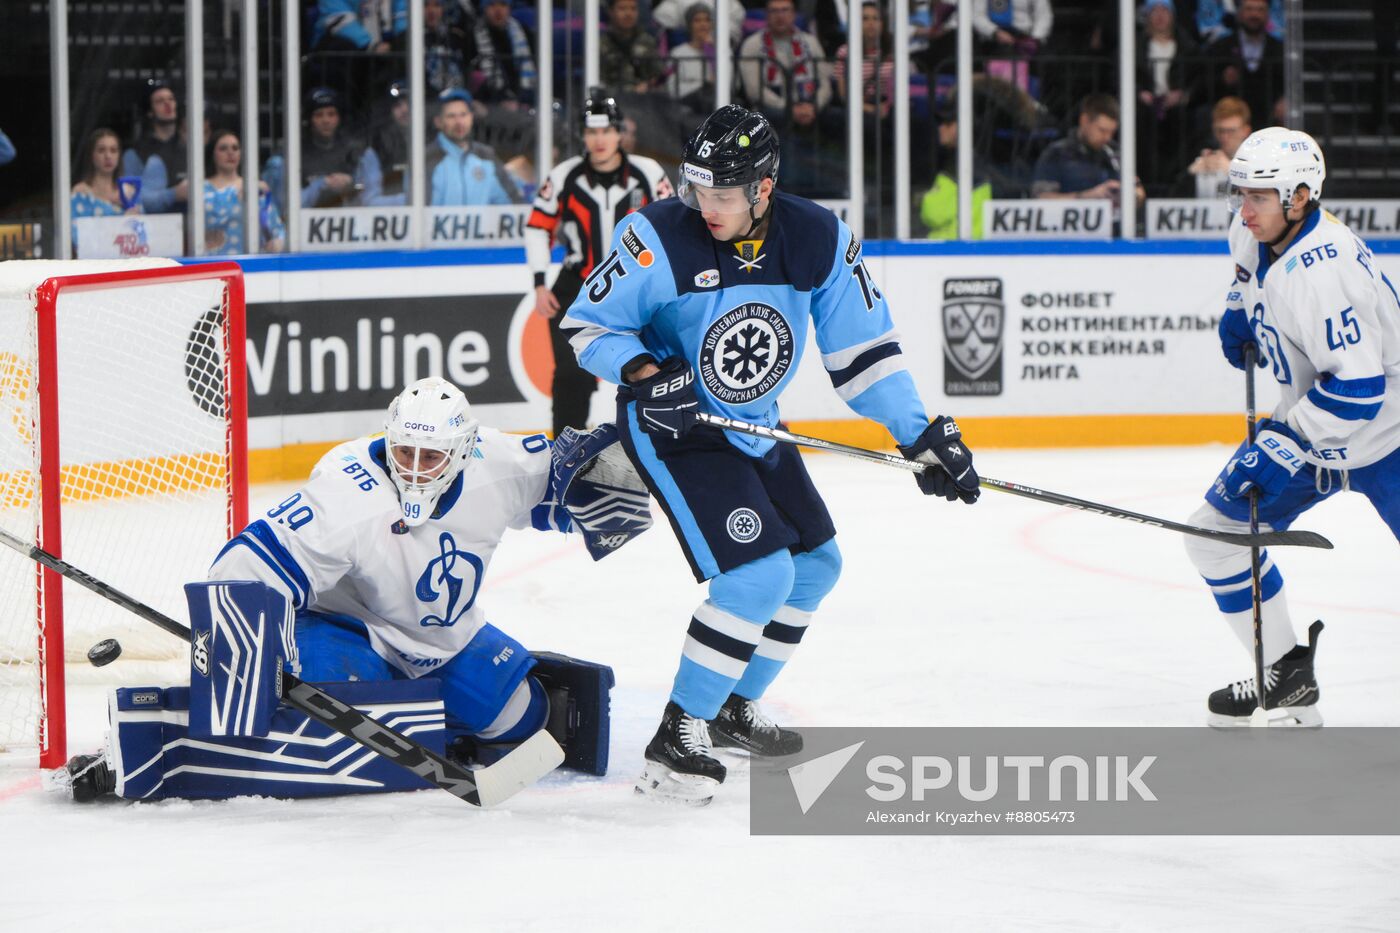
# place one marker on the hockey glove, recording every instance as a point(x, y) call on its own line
point(950, 473)
point(1268, 464)
point(1236, 333)
point(666, 400)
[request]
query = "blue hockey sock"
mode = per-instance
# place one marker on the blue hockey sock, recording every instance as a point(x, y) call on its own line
point(815, 573)
point(725, 630)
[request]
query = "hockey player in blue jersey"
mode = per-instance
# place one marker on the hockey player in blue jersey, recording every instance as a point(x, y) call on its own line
point(375, 565)
point(1326, 323)
point(704, 305)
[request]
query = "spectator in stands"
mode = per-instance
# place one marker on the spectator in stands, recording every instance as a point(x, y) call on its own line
point(503, 56)
point(223, 202)
point(628, 59)
point(691, 78)
point(159, 155)
point(933, 33)
point(446, 49)
point(460, 171)
point(1249, 63)
point(939, 207)
point(7, 149)
point(1168, 68)
point(672, 15)
point(343, 26)
point(382, 174)
point(783, 71)
point(1013, 27)
point(328, 156)
point(876, 65)
point(1208, 176)
point(96, 190)
point(1085, 163)
point(1215, 19)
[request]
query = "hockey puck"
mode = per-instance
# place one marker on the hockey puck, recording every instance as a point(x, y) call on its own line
point(104, 652)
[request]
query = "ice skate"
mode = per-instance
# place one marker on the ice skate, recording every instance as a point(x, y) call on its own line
point(741, 724)
point(86, 778)
point(679, 763)
point(1290, 694)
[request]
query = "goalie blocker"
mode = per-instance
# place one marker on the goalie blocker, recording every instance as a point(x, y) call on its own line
point(226, 734)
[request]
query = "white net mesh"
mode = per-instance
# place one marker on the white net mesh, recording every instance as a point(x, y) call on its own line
point(143, 436)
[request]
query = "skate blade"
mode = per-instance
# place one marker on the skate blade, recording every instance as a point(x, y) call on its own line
point(662, 784)
point(1286, 717)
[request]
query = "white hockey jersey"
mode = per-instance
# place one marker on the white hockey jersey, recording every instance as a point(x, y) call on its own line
point(1329, 321)
point(337, 545)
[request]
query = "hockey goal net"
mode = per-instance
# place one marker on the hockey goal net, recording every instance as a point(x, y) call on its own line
point(122, 450)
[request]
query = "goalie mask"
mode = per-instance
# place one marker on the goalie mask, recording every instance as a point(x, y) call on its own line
point(429, 437)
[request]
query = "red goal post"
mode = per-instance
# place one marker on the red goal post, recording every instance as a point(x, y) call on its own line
point(123, 449)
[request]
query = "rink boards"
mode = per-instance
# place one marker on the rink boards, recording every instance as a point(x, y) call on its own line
point(1028, 344)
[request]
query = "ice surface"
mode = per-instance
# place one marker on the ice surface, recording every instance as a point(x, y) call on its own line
point(1007, 613)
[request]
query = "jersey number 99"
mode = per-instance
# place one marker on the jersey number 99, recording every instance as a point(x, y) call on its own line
point(288, 513)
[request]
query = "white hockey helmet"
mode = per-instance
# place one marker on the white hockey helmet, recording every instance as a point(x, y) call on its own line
point(430, 435)
point(1277, 158)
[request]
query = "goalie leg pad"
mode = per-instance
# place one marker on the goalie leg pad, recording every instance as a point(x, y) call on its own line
point(579, 708)
point(241, 633)
point(154, 756)
point(600, 488)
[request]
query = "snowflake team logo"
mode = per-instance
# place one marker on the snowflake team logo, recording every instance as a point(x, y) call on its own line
point(746, 353)
point(743, 525)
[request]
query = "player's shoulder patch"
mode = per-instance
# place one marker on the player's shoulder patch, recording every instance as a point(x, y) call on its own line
point(852, 251)
point(637, 248)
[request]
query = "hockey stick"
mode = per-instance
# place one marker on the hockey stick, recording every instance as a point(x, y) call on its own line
point(1260, 716)
point(523, 766)
point(1275, 538)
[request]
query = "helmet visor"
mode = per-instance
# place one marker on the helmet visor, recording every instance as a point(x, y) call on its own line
point(698, 192)
point(1259, 199)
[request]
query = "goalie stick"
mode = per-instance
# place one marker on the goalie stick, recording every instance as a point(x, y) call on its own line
point(523, 766)
point(1260, 539)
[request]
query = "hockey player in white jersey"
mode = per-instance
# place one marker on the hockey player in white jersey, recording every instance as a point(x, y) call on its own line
point(379, 559)
point(1326, 323)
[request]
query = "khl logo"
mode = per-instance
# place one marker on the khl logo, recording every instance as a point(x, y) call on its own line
point(439, 578)
point(974, 317)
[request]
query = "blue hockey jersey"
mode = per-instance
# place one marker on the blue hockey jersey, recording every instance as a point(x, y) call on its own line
point(740, 312)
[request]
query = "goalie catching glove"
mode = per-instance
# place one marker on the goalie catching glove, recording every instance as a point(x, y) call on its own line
point(602, 491)
point(950, 473)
